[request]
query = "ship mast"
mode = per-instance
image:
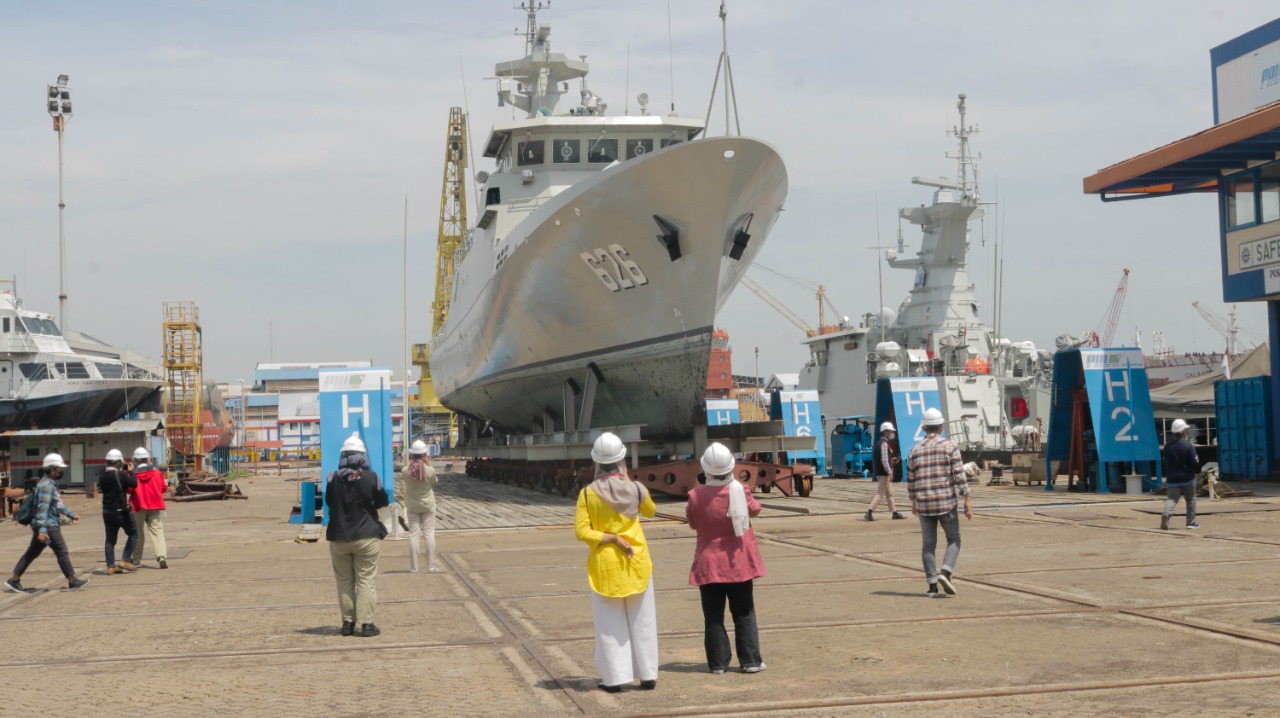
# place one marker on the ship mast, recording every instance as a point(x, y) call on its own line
point(966, 161)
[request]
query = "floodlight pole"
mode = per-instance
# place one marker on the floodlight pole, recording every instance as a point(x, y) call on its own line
point(59, 105)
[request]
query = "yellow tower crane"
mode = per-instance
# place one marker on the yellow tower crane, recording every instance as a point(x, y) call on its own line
point(450, 246)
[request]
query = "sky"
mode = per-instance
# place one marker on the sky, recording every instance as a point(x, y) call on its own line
point(255, 157)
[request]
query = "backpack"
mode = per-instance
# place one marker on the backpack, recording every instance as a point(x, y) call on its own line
point(26, 512)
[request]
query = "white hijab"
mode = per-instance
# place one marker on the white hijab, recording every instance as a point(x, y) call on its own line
point(737, 503)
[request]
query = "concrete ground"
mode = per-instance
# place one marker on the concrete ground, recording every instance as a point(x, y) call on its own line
point(1068, 605)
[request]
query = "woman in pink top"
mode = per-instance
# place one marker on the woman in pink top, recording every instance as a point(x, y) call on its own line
point(726, 561)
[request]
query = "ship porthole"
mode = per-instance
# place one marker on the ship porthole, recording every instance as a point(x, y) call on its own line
point(20, 405)
point(729, 155)
point(670, 478)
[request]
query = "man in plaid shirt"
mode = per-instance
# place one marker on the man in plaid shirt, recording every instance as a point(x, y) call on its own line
point(935, 473)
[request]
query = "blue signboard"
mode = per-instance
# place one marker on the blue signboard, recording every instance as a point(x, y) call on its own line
point(801, 415)
point(356, 402)
point(722, 411)
point(902, 401)
point(1121, 420)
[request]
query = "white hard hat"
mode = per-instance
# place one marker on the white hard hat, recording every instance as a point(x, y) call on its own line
point(932, 417)
point(717, 460)
point(1179, 426)
point(608, 449)
point(353, 443)
point(51, 460)
point(887, 426)
point(115, 455)
point(141, 454)
point(418, 447)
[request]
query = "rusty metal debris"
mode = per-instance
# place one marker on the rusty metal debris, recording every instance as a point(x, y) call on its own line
point(206, 490)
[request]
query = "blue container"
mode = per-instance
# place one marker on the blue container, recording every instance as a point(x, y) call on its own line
point(1245, 446)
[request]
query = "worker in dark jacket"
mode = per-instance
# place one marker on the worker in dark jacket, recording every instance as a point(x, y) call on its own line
point(887, 464)
point(1181, 464)
point(114, 483)
point(353, 496)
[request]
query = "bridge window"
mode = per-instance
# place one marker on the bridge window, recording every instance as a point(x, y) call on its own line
point(73, 370)
point(110, 371)
point(636, 148)
point(34, 372)
point(566, 152)
point(668, 141)
point(602, 152)
point(530, 153)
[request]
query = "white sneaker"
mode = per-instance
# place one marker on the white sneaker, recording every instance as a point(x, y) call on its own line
point(755, 669)
point(946, 584)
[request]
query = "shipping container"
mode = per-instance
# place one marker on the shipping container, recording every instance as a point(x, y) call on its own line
point(1245, 444)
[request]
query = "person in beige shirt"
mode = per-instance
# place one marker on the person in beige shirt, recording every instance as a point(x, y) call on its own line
point(420, 506)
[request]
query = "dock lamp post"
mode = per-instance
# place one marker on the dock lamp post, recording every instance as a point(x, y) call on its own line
point(59, 105)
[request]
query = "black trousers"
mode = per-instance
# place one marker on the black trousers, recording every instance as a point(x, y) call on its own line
point(116, 520)
point(56, 542)
point(746, 636)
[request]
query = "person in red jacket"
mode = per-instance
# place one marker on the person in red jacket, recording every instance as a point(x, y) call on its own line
point(726, 561)
point(148, 507)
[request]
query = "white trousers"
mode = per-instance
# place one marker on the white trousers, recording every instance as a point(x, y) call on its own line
point(626, 637)
point(422, 526)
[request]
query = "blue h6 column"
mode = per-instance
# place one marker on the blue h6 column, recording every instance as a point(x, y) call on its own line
point(356, 402)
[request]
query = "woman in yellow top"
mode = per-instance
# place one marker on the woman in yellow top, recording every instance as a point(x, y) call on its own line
point(619, 569)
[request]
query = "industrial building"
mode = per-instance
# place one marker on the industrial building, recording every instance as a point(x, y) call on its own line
point(1238, 159)
point(279, 415)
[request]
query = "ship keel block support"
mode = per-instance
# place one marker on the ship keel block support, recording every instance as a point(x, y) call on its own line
point(572, 394)
point(593, 379)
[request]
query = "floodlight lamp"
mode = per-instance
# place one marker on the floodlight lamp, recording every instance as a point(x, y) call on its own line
point(53, 92)
point(53, 107)
point(65, 95)
point(643, 99)
point(66, 108)
point(63, 80)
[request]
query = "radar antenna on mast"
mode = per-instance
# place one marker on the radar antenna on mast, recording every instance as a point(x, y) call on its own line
point(968, 162)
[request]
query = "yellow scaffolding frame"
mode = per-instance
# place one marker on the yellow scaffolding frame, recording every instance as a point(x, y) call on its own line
point(184, 384)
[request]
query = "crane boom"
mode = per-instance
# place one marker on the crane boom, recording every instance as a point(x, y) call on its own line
point(1112, 318)
point(453, 215)
point(778, 306)
point(1228, 329)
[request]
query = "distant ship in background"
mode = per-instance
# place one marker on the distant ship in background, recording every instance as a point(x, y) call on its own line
point(994, 391)
point(45, 383)
point(606, 246)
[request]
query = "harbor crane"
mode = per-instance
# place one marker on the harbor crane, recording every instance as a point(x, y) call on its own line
point(824, 303)
point(1112, 318)
point(778, 306)
point(450, 245)
point(1229, 329)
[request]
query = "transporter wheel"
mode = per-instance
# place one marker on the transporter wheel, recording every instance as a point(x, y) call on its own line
point(805, 486)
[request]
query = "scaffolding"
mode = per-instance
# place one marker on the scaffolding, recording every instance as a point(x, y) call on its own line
point(184, 385)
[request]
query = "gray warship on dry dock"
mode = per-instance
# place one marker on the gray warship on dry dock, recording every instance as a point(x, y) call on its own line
point(605, 247)
point(994, 392)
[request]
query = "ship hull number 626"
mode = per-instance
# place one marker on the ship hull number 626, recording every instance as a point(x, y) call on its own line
point(614, 266)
